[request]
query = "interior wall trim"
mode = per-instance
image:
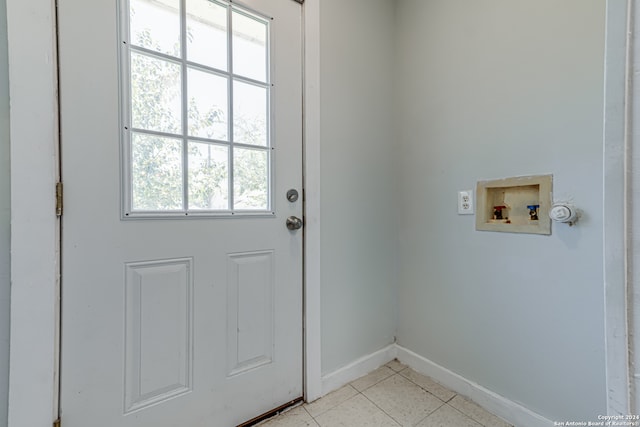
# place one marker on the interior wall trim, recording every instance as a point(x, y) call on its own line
point(509, 410)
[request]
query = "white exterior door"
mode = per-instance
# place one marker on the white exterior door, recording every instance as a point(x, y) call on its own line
point(181, 283)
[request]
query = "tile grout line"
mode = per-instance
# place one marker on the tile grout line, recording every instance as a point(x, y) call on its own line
point(426, 391)
point(444, 402)
point(334, 407)
point(312, 417)
point(359, 392)
point(395, 373)
point(465, 415)
point(421, 388)
point(375, 404)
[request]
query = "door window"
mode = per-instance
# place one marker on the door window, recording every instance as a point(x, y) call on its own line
point(196, 98)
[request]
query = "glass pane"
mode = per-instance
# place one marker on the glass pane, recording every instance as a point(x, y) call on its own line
point(156, 173)
point(249, 47)
point(208, 176)
point(207, 33)
point(249, 114)
point(155, 94)
point(250, 179)
point(208, 101)
point(155, 25)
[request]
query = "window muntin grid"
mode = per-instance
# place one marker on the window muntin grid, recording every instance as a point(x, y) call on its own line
point(196, 115)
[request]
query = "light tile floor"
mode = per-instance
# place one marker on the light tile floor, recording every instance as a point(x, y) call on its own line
point(393, 395)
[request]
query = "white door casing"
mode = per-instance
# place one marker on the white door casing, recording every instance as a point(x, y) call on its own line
point(182, 321)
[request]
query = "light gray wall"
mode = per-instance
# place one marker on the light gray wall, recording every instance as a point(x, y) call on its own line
point(357, 180)
point(494, 89)
point(5, 213)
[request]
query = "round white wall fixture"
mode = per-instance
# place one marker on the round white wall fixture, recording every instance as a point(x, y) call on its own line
point(563, 212)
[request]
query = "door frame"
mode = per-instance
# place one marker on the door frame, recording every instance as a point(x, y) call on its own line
point(617, 199)
point(33, 382)
point(311, 171)
point(35, 237)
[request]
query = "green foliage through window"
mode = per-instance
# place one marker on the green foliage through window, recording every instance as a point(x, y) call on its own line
point(184, 152)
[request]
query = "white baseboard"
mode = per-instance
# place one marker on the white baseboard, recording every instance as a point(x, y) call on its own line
point(355, 370)
point(512, 412)
point(509, 410)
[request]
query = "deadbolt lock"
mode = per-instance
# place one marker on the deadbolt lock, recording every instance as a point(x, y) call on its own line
point(292, 195)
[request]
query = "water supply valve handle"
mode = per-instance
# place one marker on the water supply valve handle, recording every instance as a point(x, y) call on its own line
point(497, 211)
point(533, 212)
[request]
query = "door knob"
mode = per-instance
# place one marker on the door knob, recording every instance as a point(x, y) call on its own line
point(294, 223)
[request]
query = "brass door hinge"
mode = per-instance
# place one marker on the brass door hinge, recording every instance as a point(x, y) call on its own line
point(59, 199)
point(56, 423)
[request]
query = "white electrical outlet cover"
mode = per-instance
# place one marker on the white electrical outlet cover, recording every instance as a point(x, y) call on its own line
point(465, 202)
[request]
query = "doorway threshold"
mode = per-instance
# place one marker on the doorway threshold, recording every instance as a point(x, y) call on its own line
point(272, 413)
